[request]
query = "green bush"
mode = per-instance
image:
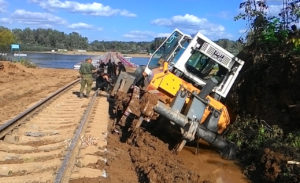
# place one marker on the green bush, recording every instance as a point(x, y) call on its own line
point(26, 63)
point(262, 147)
point(4, 58)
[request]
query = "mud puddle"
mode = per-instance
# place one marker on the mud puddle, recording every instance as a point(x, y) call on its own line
point(149, 158)
point(211, 166)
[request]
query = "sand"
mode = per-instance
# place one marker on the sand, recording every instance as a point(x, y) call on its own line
point(21, 87)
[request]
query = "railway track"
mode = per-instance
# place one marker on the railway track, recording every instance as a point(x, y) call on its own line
point(60, 139)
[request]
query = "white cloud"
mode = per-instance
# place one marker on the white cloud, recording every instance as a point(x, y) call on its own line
point(274, 10)
point(5, 20)
point(45, 20)
point(139, 35)
point(163, 35)
point(224, 15)
point(191, 24)
point(127, 13)
point(96, 9)
point(3, 5)
point(143, 35)
point(242, 31)
point(80, 25)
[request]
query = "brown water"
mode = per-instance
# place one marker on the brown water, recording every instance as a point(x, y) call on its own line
point(210, 165)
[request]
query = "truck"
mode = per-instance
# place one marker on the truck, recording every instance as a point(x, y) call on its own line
point(184, 82)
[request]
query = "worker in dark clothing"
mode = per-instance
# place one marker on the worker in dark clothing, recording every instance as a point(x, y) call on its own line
point(121, 68)
point(101, 65)
point(140, 76)
point(110, 68)
point(115, 67)
point(86, 71)
point(102, 81)
point(143, 76)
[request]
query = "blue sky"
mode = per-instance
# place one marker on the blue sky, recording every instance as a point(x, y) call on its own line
point(128, 20)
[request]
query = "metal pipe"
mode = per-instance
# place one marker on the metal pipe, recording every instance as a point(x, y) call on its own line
point(172, 115)
point(214, 139)
point(226, 148)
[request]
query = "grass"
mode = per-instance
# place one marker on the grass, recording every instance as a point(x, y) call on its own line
point(26, 63)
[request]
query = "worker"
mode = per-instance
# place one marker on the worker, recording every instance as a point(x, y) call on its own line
point(121, 68)
point(101, 65)
point(102, 81)
point(86, 71)
point(110, 68)
point(115, 68)
point(142, 77)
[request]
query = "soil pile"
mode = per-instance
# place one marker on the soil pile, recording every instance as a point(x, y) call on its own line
point(147, 157)
point(20, 86)
point(268, 87)
point(154, 162)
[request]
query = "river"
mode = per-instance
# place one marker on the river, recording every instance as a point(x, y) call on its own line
point(50, 60)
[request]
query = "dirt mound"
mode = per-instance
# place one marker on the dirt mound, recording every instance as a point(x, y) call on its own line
point(9, 70)
point(272, 162)
point(268, 87)
point(267, 91)
point(12, 67)
point(154, 162)
point(20, 86)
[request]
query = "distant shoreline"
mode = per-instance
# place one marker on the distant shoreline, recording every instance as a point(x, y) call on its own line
point(144, 55)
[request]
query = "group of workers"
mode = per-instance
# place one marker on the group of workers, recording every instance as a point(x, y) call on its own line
point(103, 79)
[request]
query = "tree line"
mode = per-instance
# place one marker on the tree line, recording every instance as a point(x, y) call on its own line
point(46, 39)
point(49, 39)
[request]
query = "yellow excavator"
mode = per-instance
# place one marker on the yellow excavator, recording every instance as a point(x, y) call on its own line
point(184, 81)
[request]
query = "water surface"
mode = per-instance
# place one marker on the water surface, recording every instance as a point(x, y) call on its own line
point(51, 60)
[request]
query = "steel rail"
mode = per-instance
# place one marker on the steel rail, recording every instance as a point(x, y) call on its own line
point(11, 122)
point(68, 157)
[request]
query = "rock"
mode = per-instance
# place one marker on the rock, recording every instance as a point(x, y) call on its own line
point(1, 66)
point(35, 134)
point(4, 171)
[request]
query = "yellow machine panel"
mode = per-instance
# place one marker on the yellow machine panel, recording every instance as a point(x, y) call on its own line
point(170, 83)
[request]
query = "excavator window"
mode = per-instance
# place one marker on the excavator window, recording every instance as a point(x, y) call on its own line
point(180, 49)
point(165, 50)
point(205, 68)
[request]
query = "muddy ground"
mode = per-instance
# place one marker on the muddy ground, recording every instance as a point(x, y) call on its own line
point(148, 159)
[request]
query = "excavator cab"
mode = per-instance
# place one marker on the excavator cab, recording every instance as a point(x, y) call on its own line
point(170, 50)
point(197, 60)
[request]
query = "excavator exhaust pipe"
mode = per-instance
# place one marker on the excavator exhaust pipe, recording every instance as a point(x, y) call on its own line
point(226, 149)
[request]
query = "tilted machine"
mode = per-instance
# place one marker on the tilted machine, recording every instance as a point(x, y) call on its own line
point(184, 81)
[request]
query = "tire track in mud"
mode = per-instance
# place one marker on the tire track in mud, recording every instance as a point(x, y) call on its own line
point(34, 150)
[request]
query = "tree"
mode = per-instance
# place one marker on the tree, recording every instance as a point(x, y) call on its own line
point(6, 39)
point(156, 43)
